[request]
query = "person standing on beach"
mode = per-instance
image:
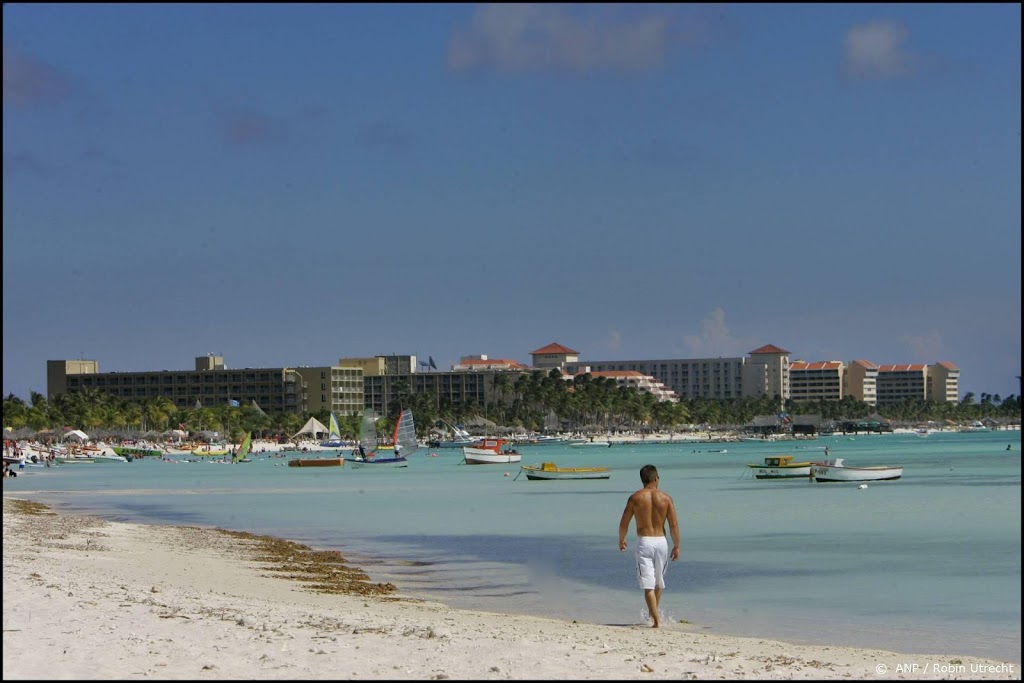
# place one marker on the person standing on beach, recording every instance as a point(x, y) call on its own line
point(652, 508)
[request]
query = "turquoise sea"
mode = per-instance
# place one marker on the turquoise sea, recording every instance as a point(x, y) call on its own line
point(926, 564)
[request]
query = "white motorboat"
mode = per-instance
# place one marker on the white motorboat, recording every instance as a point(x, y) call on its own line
point(835, 469)
point(490, 452)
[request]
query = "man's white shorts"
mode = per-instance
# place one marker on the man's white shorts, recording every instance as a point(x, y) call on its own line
point(651, 559)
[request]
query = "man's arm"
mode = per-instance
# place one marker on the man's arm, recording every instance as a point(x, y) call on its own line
point(627, 515)
point(673, 527)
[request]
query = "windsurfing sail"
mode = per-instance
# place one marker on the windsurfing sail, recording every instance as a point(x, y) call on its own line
point(368, 431)
point(333, 432)
point(244, 449)
point(405, 433)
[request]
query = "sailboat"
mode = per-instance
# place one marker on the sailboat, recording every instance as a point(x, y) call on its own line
point(460, 437)
point(242, 455)
point(333, 434)
point(366, 456)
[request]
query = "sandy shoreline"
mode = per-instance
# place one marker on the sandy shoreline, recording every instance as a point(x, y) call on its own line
point(90, 599)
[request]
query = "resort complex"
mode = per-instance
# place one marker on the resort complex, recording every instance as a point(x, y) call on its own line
point(353, 384)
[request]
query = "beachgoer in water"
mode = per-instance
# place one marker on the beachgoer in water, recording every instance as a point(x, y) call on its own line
point(651, 508)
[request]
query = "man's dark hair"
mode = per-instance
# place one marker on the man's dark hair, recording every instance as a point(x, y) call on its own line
point(648, 473)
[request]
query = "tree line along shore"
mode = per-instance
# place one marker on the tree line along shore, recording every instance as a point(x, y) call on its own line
point(537, 403)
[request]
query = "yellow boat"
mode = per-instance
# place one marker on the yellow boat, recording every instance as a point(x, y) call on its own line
point(550, 470)
point(781, 467)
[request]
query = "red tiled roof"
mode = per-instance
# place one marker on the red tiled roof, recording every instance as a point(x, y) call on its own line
point(946, 364)
point(916, 367)
point(866, 364)
point(824, 365)
point(770, 348)
point(554, 347)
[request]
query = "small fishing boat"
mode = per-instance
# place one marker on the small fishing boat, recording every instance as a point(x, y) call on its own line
point(549, 471)
point(490, 452)
point(316, 462)
point(781, 467)
point(835, 469)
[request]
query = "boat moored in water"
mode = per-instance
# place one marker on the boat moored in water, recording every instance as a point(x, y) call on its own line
point(549, 471)
point(490, 452)
point(834, 469)
point(316, 462)
point(781, 467)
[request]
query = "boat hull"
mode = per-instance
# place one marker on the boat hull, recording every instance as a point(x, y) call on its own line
point(377, 463)
point(542, 474)
point(827, 473)
point(98, 457)
point(483, 456)
point(317, 462)
point(490, 451)
point(800, 470)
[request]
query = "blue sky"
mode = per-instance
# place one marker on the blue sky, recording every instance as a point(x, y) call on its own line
point(290, 184)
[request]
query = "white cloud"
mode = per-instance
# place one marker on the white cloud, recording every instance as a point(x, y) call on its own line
point(715, 340)
point(614, 341)
point(522, 37)
point(927, 347)
point(876, 50)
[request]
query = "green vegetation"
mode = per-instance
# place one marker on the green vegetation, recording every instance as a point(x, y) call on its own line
point(535, 401)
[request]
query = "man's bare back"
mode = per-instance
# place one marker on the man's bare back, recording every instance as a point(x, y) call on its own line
point(651, 508)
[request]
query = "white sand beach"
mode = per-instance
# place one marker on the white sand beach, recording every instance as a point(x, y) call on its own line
point(89, 599)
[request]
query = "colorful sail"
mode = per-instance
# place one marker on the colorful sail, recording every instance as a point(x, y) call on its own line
point(405, 433)
point(244, 449)
point(334, 431)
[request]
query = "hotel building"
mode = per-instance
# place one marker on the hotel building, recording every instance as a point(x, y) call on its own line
point(355, 383)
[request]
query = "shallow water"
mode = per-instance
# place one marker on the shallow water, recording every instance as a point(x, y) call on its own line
point(926, 564)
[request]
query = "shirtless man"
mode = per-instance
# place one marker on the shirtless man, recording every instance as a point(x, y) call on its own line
point(652, 508)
